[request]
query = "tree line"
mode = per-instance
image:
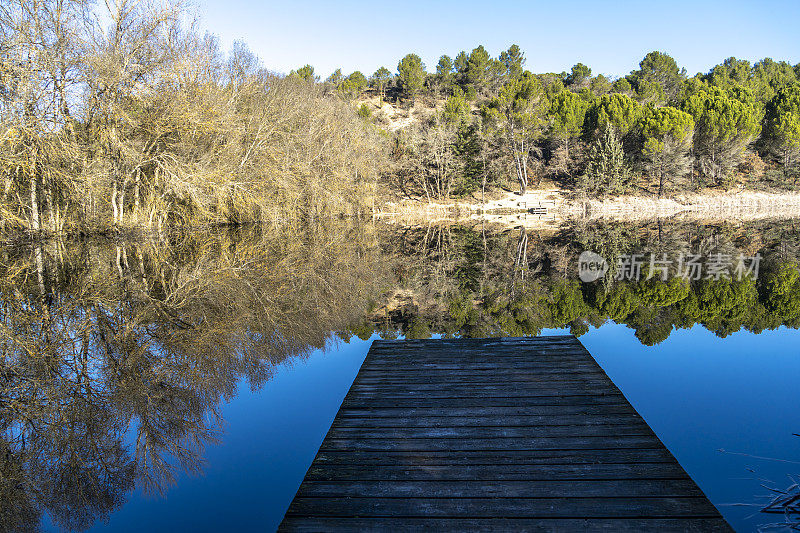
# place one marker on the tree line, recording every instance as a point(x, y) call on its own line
point(655, 129)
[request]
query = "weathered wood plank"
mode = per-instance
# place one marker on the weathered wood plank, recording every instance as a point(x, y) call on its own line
point(346, 420)
point(495, 472)
point(655, 507)
point(521, 525)
point(502, 457)
point(482, 375)
point(523, 433)
point(446, 390)
point(566, 399)
point(554, 411)
point(491, 444)
point(628, 488)
point(495, 435)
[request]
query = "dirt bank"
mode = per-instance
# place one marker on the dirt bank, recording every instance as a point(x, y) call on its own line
point(551, 207)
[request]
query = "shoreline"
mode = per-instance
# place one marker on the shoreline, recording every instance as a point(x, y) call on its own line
point(552, 207)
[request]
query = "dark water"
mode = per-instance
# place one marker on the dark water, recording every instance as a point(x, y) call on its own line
point(186, 381)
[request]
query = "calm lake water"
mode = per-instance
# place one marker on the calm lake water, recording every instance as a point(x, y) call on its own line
point(185, 382)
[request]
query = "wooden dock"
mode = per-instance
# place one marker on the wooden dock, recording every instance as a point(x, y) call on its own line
point(493, 434)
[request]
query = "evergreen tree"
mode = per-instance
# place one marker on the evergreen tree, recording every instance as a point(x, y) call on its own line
point(305, 73)
point(567, 112)
point(517, 116)
point(607, 171)
point(667, 135)
point(579, 76)
point(444, 73)
point(513, 60)
point(662, 71)
point(380, 79)
point(411, 75)
point(782, 129)
point(724, 126)
point(616, 110)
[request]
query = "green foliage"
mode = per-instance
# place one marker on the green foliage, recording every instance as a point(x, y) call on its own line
point(444, 72)
point(467, 149)
point(517, 115)
point(305, 73)
point(648, 92)
point(661, 122)
point(513, 61)
point(380, 79)
point(364, 112)
point(335, 78)
point(618, 302)
point(578, 327)
point(768, 77)
point(486, 295)
point(622, 86)
point(456, 108)
point(460, 63)
point(658, 293)
point(724, 126)
point(600, 85)
point(552, 83)
point(782, 291)
point(652, 326)
point(477, 70)
point(658, 69)
point(567, 110)
point(666, 138)
point(445, 66)
point(606, 172)
point(411, 75)
point(352, 86)
point(566, 301)
point(782, 129)
point(362, 329)
point(418, 329)
point(579, 75)
point(615, 110)
point(731, 72)
point(722, 305)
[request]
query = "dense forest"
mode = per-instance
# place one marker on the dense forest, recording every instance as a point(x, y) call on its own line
point(121, 114)
point(654, 131)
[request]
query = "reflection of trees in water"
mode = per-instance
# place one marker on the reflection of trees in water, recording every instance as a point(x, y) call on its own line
point(510, 287)
point(116, 358)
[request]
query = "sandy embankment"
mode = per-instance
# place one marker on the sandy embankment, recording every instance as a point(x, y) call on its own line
point(559, 207)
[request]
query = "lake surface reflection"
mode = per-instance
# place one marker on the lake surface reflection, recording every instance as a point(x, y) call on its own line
point(186, 380)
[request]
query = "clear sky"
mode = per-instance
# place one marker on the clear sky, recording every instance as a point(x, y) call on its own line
point(610, 37)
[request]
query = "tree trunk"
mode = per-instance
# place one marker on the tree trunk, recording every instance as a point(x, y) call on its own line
point(34, 203)
point(122, 200)
point(51, 208)
point(114, 201)
point(136, 194)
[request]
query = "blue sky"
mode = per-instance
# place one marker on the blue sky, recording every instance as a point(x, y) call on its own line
point(610, 37)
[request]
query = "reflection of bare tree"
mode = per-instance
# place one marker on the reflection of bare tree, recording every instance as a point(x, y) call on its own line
point(114, 360)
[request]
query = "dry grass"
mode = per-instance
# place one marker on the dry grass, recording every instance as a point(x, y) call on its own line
point(787, 503)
